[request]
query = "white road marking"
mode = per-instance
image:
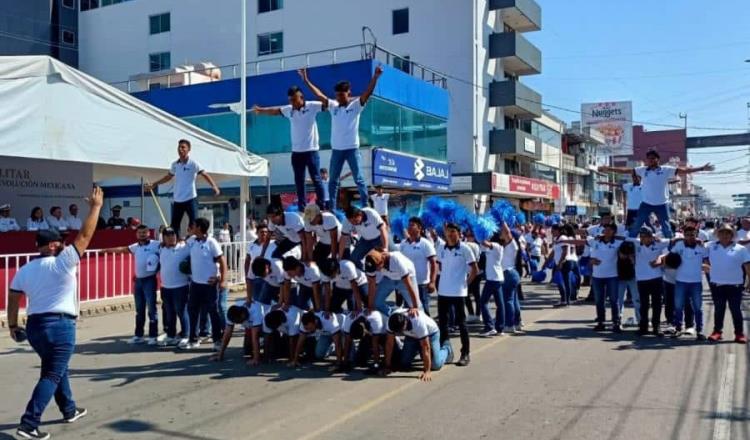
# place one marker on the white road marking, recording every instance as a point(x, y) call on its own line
point(723, 424)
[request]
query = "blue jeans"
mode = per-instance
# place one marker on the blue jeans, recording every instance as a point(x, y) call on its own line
point(439, 353)
point(179, 209)
point(174, 306)
point(644, 211)
point(633, 286)
point(606, 288)
point(205, 297)
point(323, 346)
point(492, 290)
point(510, 296)
point(385, 287)
point(692, 292)
point(258, 286)
point(361, 249)
point(353, 158)
point(53, 338)
point(569, 287)
point(310, 161)
point(424, 298)
point(145, 296)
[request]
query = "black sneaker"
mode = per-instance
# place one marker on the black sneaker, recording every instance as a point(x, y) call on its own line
point(700, 337)
point(80, 412)
point(642, 332)
point(616, 328)
point(658, 333)
point(25, 432)
point(600, 327)
point(464, 361)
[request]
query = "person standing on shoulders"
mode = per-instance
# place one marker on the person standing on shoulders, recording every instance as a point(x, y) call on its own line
point(345, 113)
point(305, 143)
point(7, 223)
point(50, 286)
point(185, 195)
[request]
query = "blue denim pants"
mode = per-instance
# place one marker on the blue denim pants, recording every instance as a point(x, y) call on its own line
point(144, 296)
point(361, 249)
point(424, 298)
point(174, 307)
point(307, 161)
point(353, 158)
point(510, 296)
point(385, 287)
point(692, 293)
point(606, 288)
point(493, 290)
point(53, 338)
point(644, 211)
point(438, 353)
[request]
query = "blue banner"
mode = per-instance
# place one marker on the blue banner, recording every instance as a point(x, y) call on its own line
point(390, 168)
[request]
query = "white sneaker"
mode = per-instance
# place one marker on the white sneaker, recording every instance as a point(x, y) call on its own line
point(488, 334)
point(162, 337)
point(670, 329)
point(630, 322)
point(152, 341)
point(691, 331)
point(161, 343)
point(521, 325)
point(191, 345)
point(217, 346)
point(183, 343)
point(135, 340)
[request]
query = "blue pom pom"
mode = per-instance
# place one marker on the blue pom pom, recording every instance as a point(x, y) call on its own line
point(520, 218)
point(399, 223)
point(556, 219)
point(538, 218)
point(539, 276)
point(484, 227)
point(292, 208)
point(340, 215)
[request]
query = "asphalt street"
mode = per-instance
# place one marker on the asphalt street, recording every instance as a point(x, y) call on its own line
point(559, 380)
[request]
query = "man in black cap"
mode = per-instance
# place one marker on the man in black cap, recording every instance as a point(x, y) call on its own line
point(49, 283)
point(116, 222)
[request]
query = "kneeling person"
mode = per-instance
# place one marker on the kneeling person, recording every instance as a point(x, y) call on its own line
point(422, 334)
point(326, 327)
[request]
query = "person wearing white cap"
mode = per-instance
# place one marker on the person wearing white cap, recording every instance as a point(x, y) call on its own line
point(7, 223)
point(146, 253)
point(322, 233)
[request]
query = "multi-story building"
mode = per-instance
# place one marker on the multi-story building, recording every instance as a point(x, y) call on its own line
point(40, 27)
point(480, 47)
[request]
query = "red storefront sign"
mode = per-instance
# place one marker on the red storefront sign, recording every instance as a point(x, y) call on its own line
point(533, 187)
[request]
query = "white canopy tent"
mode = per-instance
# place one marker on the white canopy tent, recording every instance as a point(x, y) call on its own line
point(51, 111)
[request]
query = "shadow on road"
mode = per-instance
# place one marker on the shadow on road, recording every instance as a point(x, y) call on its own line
point(131, 426)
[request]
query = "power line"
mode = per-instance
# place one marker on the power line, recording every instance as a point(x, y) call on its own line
point(651, 52)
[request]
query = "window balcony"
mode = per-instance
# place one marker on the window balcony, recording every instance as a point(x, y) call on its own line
point(519, 57)
point(521, 15)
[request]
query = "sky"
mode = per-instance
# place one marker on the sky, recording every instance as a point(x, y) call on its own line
point(668, 57)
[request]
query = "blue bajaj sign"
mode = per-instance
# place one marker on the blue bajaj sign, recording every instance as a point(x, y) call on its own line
point(390, 168)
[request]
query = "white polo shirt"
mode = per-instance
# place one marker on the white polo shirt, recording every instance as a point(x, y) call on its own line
point(607, 254)
point(254, 250)
point(557, 249)
point(184, 179)
point(291, 326)
point(345, 124)
point(419, 252)
point(310, 277)
point(304, 128)
point(170, 258)
point(9, 224)
point(369, 228)
point(399, 267)
point(422, 326)
point(74, 223)
point(49, 283)
point(633, 195)
point(328, 326)
point(380, 203)
point(59, 224)
point(375, 319)
point(348, 272)
point(454, 262)
point(691, 269)
point(36, 225)
point(727, 262)
point(146, 258)
point(535, 247)
point(655, 184)
point(293, 225)
point(323, 230)
point(277, 276)
point(644, 255)
point(510, 251)
point(203, 255)
point(493, 270)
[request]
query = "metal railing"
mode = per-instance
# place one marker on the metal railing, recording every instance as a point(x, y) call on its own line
point(104, 275)
point(280, 64)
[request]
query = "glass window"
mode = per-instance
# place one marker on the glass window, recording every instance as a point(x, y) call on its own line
point(160, 23)
point(89, 4)
point(70, 4)
point(400, 21)
point(159, 61)
point(270, 43)
point(402, 63)
point(269, 5)
point(69, 37)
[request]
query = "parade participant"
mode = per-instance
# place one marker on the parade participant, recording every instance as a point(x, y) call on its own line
point(304, 135)
point(36, 221)
point(146, 254)
point(493, 253)
point(254, 284)
point(289, 227)
point(322, 234)
point(421, 335)
point(648, 274)
point(421, 252)
point(50, 286)
point(386, 272)
point(655, 180)
point(56, 220)
point(115, 221)
point(380, 202)
point(251, 319)
point(205, 254)
point(633, 197)
point(343, 283)
point(175, 287)
point(371, 231)
point(7, 223)
point(325, 181)
point(565, 262)
point(72, 219)
point(326, 328)
point(537, 247)
point(627, 281)
point(473, 292)
point(345, 113)
point(728, 261)
point(280, 322)
point(510, 262)
point(458, 268)
point(185, 195)
point(368, 329)
point(695, 223)
point(689, 285)
point(605, 219)
point(307, 278)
